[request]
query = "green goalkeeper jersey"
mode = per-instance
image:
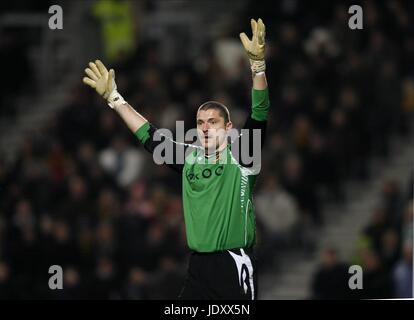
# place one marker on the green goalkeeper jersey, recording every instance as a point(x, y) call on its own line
point(217, 197)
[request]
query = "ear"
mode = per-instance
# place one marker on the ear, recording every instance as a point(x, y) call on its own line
point(229, 125)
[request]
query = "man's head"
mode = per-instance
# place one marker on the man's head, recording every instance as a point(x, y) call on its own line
point(213, 123)
point(329, 258)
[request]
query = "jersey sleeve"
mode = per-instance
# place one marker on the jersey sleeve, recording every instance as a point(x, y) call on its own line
point(257, 119)
point(146, 135)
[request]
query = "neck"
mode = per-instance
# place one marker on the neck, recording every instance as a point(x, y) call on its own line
point(214, 152)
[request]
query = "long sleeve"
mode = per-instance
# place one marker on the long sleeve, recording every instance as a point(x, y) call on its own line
point(257, 119)
point(145, 135)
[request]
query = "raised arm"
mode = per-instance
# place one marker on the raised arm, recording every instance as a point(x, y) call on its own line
point(255, 49)
point(103, 81)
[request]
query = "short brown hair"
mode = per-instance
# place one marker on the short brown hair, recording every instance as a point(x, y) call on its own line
point(224, 112)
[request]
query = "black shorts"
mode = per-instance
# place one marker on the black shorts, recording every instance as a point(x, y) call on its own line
point(228, 274)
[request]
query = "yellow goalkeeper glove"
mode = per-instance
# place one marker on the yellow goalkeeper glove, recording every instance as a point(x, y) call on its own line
point(255, 48)
point(103, 81)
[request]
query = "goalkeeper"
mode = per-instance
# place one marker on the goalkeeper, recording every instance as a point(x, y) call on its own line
point(217, 197)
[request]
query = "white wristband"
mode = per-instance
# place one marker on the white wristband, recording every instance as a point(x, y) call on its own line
point(257, 66)
point(115, 99)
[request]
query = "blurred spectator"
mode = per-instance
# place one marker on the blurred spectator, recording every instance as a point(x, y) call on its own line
point(376, 228)
point(136, 287)
point(117, 24)
point(407, 224)
point(392, 202)
point(276, 209)
point(295, 182)
point(403, 274)
point(377, 282)
point(331, 278)
point(72, 289)
point(6, 286)
point(390, 248)
point(278, 216)
point(104, 283)
point(168, 280)
point(124, 162)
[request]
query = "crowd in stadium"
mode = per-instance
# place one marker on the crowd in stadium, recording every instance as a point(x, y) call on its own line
point(85, 195)
point(384, 251)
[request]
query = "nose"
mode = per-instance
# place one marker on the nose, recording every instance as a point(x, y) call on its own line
point(205, 128)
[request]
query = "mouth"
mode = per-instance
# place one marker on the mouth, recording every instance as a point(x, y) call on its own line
point(206, 141)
